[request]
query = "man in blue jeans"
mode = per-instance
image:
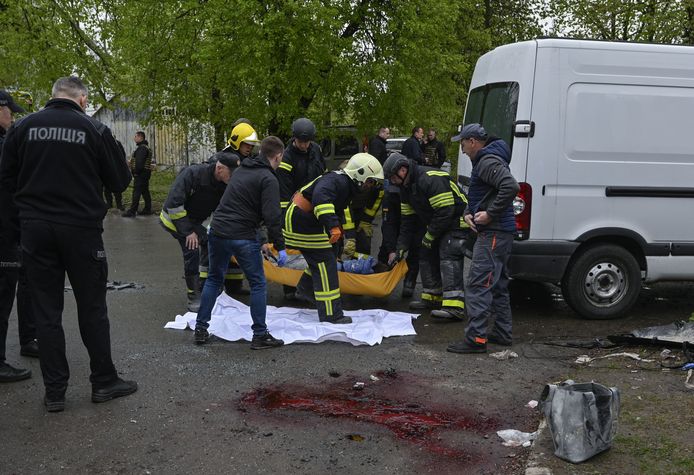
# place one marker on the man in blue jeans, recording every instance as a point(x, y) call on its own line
point(252, 197)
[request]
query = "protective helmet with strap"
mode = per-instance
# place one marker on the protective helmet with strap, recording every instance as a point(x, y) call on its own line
point(363, 166)
point(242, 133)
point(394, 163)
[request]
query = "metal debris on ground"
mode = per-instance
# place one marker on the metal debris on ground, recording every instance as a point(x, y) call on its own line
point(115, 285)
point(673, 335)
point(504, 355)
point(374, 378)
point(358, 386)
point(585, 359)
point(516, 438)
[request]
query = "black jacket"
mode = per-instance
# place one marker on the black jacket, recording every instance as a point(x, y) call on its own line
point(434, 153)
point(56, 161)
point(252, 197)
point(194, 195)
point(377, 148)
point(412, 149)
point(141, 162)
point(297, 169)
point(432, 196)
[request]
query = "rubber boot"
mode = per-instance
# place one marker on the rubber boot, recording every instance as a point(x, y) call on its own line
point(193, 292)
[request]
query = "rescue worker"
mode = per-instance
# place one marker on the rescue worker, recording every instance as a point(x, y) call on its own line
point(251, 199)
point(55, 162)
point(313, 225)
point(193, 197)
point(490, 214)
point(359, 218)
point(431, 195)
point(302, 162)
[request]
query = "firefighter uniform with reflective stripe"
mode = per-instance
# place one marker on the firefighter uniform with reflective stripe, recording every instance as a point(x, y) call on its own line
point(316, 209)
point(192, 198)
point(359, 217)
point(431, 195)
point(298, 169)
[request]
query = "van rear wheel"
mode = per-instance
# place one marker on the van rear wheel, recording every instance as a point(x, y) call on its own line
point(602, 282)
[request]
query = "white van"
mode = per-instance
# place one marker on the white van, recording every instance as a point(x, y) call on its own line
point(602, 139)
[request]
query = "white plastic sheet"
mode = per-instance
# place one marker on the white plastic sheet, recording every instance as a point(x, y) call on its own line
point(231, 320)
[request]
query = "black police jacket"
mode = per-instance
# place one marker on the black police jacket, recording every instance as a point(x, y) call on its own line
point(56, 162)
point(251, 198)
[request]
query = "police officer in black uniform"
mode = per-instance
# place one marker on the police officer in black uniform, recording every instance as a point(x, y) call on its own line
point(11, 272)
point(55, 163)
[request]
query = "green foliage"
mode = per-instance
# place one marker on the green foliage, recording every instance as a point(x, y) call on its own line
point(363, 62)
point(653, 21)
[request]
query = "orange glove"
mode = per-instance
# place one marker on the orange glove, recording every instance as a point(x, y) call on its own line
point(335, 234)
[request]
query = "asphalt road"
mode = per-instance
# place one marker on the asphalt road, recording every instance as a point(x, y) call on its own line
point(222, 408)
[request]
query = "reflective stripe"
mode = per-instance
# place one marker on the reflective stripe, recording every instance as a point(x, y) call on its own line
point(377, 204)
point(463, 223)
point(438, 173)
point(284, 204)
point(176, 213)
point(406, 210)
point(349, 224)
point(286, 166)
point(432, 297)
point(442, 199)
point(325, 208)
point(167, 222)
point(233, 276)
point(457, 191)
point(325, 284)
point(453, 303)
point(428, 236)
point(203, 274)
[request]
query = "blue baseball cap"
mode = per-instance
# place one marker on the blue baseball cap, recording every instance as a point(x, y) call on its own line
point(471, 131)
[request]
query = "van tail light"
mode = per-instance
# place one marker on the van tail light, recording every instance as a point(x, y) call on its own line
point(522, 205)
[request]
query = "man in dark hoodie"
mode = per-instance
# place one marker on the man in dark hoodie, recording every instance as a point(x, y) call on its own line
point(55, 163)
point(490, 214)
point(252, 197)
point(141, 168)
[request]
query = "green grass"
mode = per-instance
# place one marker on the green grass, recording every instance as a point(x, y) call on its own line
point(159, 186)
point(656, 456)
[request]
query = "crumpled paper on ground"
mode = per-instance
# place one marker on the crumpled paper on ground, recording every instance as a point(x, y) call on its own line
point(516, 438)
point(231, 320)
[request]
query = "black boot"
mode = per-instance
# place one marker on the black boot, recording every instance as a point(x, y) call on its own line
point(193, 292)
point(10, 374)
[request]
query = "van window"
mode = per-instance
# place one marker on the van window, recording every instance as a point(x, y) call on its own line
point(346, 146)
point(494, 106)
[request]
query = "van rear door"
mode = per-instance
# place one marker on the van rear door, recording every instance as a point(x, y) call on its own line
point(500, 99)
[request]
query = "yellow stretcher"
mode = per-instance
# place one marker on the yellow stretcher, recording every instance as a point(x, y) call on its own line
point(372, 285)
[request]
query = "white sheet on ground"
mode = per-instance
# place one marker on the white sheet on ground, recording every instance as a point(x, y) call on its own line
point(231, 320)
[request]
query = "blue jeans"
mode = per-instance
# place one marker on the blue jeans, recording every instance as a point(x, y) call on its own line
point(247, 253)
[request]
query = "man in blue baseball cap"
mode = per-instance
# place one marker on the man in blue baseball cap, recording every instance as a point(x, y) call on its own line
point(490, 214)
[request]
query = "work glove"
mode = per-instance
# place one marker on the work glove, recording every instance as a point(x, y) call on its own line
point(336, 234)
point(395, 257)
point(350, 248)
point(427, 240)
point(366, 228)
point(282, 259)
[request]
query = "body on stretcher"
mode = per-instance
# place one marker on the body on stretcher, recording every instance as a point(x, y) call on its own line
point(372, 285)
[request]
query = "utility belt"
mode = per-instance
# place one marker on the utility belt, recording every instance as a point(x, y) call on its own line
point(302, 203)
